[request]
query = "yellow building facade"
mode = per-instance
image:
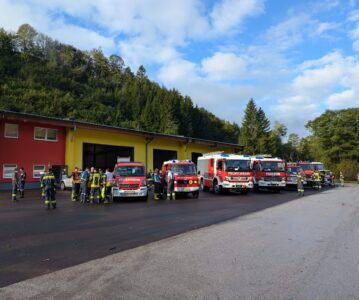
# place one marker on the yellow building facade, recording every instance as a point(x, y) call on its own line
point(144, 144)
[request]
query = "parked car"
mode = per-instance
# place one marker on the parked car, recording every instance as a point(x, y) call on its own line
point(66, 182)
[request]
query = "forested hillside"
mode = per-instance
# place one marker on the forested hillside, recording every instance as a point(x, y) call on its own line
point(40, 75)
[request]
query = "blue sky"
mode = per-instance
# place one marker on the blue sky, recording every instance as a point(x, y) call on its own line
point(295, 58)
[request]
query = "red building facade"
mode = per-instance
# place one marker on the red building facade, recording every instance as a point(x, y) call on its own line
point(34, 146)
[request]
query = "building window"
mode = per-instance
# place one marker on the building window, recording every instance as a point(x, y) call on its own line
point(11, 131)
point(8, 170)
point(45, 134)
point(37, 170)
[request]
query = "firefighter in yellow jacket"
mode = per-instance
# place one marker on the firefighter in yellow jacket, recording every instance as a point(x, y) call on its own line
point(317, 179)
point(95, 187)
point(300, 183)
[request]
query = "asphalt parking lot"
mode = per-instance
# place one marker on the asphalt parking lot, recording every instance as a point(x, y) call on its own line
point(36, 241)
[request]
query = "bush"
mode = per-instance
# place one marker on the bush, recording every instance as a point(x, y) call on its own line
point(349, 168)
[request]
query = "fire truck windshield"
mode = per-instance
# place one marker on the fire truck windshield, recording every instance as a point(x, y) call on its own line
point(293, 170)
point(307, 167)
point(318, 167)
point(272, 166)
point(130, 171)
point(183, 169)
point(235, 165)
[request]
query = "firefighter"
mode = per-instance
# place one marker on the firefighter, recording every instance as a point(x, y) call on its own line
point(341, 178)
point(15, 182)
point(106, 185)
point(103, 186)
point(22, 180)
point(49, 182)
point(76, 182)
point(42, 186)
point(317, 180)
point(170, 186)
point(89, 182)
point(300, 183)
point(157, 192)
point(83, 185)
point(95, 187)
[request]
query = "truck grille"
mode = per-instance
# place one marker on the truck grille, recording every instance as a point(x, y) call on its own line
point(181, 181)
point(272, 178)
point(128, 186)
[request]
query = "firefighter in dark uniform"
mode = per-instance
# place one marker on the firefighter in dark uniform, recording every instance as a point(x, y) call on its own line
point(76, 182)
point(83, 185)
point(49, 183)
point(300, 183)
point(15, 182)
point(22, 180)
point(95, 187)
point(89, 182)
point(42, 185)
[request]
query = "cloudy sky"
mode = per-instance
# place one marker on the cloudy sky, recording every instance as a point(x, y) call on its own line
point(295, 58)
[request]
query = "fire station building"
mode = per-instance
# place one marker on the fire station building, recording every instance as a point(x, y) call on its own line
point(37, 142)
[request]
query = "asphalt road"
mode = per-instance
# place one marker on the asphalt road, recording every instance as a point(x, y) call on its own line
point(35, 241)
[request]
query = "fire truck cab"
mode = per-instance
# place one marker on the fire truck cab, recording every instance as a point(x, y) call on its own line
point(185, 179)
point(129, 180)
point(223, 172)
point(309, 168)
point(269, 173)
point(291, 171)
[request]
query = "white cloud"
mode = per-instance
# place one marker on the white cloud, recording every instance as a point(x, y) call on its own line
point(224, 66)
point(345, 99)
point(325, 26)
point(229, 14)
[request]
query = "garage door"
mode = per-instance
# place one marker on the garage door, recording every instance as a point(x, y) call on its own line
point(159, 156)
point(104, 156)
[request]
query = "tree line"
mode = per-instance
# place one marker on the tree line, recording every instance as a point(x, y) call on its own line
point(333, 139)
point(43, 76)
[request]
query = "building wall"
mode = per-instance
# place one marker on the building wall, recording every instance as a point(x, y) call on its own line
point(76, 138)
point(25, 151)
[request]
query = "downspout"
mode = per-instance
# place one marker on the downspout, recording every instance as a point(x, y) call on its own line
point(188, 141)
point(148, 141)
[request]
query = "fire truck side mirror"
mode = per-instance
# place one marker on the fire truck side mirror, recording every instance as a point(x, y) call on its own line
point(199, 172)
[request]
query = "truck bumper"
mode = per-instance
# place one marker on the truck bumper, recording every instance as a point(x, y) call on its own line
point(271, 184)
point(117, 193)
point(187, 189)
point(237, 185)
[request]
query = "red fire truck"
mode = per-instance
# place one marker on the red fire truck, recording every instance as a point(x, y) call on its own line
point(309, 168)
point(129, 180)
point(184, 176)
point(291, 171)
point(223, 172)
point(269, 173)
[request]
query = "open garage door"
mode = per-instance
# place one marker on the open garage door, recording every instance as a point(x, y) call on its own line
point(159, 156)
point(195, 156)
point(104, 156)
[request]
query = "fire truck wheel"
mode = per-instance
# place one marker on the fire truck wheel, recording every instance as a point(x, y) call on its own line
point(216, 188)
point(195, 194)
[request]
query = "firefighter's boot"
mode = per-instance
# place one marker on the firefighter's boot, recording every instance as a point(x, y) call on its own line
point(173, 196)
